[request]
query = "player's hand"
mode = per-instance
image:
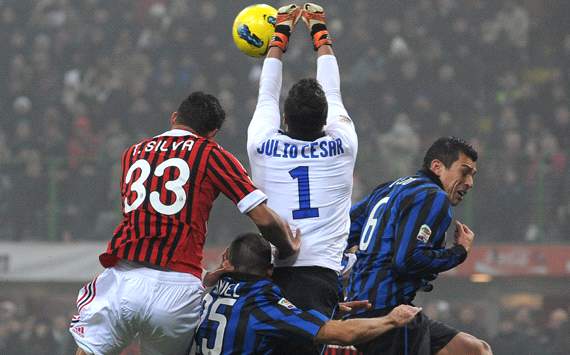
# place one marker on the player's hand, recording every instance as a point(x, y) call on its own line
point(295, 240)
point(313, 14)
point(463, 235)
point(348, 307)
point(212, 277)
point(287, 18)
point(403, 314)
point(288, 15)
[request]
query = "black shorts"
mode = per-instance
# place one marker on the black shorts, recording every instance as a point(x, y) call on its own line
point(422, 336)
point(308, 287)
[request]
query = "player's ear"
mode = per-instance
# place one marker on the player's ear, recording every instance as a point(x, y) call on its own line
point(437, 167)
point(212, 133)
point(173, 117)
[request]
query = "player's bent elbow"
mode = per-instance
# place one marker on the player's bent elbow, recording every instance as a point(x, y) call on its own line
point(400, 267)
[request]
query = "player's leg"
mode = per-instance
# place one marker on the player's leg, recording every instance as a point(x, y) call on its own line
point(170, 323)
point(97, 328)
point(467, 344)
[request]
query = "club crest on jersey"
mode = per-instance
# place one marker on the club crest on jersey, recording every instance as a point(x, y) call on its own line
point(285, 303)
point(79, 331)
point(424, 234)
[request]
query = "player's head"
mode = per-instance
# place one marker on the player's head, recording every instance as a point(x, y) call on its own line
point(250, 253)
point(201, 112)
point(454, 161)
point(305, 110)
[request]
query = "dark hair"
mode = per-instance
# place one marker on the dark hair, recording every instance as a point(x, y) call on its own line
point(250, 253)
point(201, 112)
point(447, 149)
point(306, 107)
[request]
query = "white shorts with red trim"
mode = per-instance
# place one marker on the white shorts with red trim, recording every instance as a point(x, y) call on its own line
point(161, 308)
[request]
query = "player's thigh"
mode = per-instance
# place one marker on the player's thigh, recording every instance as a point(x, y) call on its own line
point(98, 328)
point(172, 320)
point(467, 344)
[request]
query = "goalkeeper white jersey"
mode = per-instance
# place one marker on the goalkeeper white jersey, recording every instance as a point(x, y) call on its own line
point(308, 183)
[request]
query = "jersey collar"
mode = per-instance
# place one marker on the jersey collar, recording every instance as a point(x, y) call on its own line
point(240, 276)
point(177, 132)
point(430, 175)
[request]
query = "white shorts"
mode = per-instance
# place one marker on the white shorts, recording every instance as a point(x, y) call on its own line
point(162, 308)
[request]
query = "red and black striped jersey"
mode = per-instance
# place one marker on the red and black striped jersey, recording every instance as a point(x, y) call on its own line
point(169, 183)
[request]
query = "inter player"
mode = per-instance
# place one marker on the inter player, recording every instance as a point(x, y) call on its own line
point(400, 232)
point(246, 313)
point(151, 287)
point(306, 170)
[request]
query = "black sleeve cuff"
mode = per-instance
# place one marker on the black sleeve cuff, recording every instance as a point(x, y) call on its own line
point(460, 252)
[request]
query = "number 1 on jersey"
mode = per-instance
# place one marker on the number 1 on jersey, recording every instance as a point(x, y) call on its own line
point(301, 173)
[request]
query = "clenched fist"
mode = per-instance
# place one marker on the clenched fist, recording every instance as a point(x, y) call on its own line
point(403, 314)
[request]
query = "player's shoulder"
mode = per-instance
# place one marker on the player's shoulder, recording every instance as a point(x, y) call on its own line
point(262, 291)
point(212, 146)
point(410, 187)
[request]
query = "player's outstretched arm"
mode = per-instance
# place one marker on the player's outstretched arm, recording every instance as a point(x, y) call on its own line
point(328, 74)
point(275, 230)
point(354, 331)
point(266, 118)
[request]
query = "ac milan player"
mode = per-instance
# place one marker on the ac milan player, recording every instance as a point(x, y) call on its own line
point(151, 287)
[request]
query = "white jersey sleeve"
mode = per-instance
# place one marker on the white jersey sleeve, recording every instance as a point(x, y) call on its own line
point(266, 118)
point(339, 123)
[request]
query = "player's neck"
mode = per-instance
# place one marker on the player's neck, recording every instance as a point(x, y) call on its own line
point(309, 137)
point(184, 127)
point(430, 174)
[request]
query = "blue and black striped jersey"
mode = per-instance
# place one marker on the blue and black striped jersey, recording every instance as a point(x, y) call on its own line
point(249, 315)
point(400, 230)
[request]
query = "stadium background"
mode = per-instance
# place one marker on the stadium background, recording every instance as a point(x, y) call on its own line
point(80, 80)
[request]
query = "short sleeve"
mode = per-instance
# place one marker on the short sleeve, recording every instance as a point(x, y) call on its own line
point(230, 177)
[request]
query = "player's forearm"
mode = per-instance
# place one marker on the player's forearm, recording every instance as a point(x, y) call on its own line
point(273, 228)
point(270, 80)
point(353, 331)
point(276, 234)
point(267, 108)
point(422, 262)
point(329, 77)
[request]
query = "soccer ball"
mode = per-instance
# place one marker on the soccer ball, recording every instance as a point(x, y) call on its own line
point(253, 28)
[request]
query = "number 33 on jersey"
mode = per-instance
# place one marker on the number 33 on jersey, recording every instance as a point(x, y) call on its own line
point(168, 186)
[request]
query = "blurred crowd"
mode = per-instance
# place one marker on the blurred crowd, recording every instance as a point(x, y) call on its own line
point(81, 80)
point(523, 331)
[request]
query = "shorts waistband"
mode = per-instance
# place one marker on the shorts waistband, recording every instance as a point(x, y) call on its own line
point(156, 273)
